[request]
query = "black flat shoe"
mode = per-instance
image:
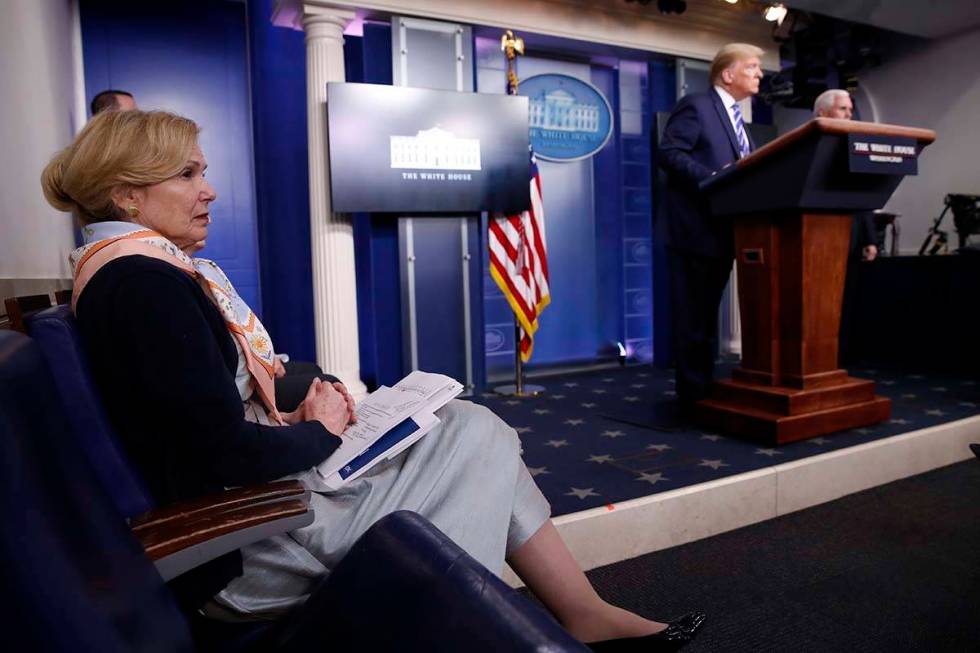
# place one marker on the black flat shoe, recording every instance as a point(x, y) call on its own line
point(677, 633)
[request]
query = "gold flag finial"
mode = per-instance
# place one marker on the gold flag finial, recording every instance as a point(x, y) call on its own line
point(511, 46)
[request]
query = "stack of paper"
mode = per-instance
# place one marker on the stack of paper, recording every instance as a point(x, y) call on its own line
point(389, 421)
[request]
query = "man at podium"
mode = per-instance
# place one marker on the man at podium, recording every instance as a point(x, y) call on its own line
point(705, 133)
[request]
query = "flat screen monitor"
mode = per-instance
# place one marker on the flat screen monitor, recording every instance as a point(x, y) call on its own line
point(413, 150)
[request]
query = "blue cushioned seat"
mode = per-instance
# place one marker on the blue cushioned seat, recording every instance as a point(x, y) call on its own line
point(55, 331)
point(83, 583)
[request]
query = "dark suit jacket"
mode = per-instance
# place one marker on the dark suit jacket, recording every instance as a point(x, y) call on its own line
point(863, 233)
point(698, 140)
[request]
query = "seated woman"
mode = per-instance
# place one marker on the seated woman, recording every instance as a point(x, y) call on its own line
point(186, 372)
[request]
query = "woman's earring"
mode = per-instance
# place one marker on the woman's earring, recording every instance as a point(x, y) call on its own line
point(132, 211)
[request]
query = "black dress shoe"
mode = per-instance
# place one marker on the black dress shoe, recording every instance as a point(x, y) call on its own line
point(677, 633)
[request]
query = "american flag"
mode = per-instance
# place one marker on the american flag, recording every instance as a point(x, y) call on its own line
point(519, 262)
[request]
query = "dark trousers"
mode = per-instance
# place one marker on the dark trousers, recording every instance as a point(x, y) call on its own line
point(696, 286)
point(292, 388)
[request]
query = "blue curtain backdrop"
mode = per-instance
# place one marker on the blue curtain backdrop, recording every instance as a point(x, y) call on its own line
point(277, 60)
point(190, 58)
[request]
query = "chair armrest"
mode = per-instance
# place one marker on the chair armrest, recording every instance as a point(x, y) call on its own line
point(218, 503)
point(428, 594)
point(180, 544)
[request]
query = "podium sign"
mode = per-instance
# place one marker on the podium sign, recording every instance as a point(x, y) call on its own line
point(882, 155)
point(791, 202)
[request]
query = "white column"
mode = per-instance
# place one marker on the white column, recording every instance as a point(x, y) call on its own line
point(332, 234)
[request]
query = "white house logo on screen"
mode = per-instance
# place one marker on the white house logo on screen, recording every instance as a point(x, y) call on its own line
point(435, 149)
point(558, 110)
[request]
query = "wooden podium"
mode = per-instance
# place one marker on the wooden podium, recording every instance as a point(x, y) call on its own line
point(791, 202)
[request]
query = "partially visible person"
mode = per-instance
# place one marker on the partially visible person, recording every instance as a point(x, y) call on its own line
point(837, 103)
point(113, 100)
point(185, 369)
point(705, 133)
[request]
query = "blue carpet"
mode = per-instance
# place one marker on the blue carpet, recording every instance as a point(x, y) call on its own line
point(582, 459)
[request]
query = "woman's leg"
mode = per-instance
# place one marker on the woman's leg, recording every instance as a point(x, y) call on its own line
point(546, 565)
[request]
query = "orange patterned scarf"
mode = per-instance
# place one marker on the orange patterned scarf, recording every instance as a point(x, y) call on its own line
point(107, 241)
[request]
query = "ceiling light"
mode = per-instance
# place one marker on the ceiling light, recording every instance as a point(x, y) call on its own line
point(775, 13)
point(731, 2)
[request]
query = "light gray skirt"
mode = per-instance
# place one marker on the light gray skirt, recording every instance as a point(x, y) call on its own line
point(466, 476)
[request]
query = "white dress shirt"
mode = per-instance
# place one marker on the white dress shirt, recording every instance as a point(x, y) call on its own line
point(730, 103)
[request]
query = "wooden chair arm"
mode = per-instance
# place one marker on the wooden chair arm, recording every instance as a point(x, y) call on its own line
point(180, 544)
point(219, 503)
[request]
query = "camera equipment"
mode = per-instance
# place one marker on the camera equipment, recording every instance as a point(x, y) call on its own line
point(966, 220)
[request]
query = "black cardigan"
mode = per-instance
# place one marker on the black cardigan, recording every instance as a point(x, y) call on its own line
point(164, 363)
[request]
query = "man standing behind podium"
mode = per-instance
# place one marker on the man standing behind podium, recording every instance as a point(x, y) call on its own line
point(837, 103)
point(704, 134)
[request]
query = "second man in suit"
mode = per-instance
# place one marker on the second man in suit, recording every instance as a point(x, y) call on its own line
point(705, 133)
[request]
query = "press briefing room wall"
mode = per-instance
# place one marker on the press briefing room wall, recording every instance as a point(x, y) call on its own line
point(599, 243)
point(190, 58)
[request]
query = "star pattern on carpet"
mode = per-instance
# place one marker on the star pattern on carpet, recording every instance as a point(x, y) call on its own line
point(598, 391)
point(617, 441)
point(631, 398)
point(936, 412)
point(713, 464)
point(582, 493)
point(769, 452)
point(574, 422)
point(939, 388)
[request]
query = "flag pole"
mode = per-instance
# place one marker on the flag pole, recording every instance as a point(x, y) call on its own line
point(513, 46)
point(519, 388)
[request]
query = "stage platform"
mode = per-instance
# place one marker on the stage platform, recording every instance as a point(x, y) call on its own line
point(626, 477)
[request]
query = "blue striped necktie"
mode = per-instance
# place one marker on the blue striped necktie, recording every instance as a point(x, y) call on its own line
point(743, 139)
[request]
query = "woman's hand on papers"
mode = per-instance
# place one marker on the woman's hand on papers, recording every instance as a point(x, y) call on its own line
point(325, 404)
point(351, 404)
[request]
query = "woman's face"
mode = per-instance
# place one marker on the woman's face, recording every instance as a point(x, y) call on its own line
point(178, 207)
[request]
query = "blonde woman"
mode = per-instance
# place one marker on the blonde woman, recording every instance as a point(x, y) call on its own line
point(186, 369)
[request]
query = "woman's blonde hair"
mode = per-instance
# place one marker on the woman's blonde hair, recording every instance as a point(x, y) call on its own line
point(729, 54)
point(117, 149)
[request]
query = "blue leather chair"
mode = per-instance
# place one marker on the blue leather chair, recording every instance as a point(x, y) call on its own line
point(404, 586)
point(54, 330)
